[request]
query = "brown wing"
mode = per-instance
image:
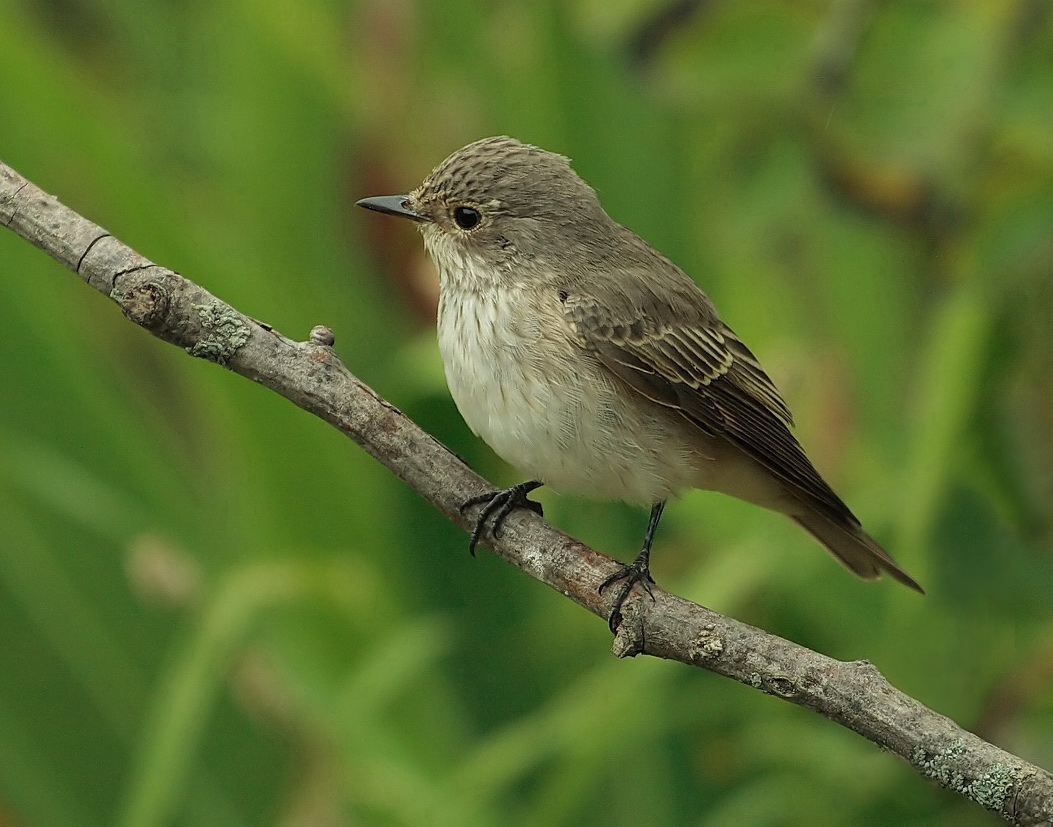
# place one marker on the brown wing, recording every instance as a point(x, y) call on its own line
point(698, 366)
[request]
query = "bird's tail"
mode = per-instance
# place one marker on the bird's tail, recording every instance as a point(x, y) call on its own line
point(854, 548)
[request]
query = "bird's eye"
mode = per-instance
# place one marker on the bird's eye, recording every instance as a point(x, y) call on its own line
point(466, 217)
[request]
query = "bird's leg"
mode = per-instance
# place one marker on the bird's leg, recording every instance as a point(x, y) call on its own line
point(636, 572)
point(500, 505)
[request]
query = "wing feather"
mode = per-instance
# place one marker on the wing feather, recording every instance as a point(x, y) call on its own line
point(696, 365)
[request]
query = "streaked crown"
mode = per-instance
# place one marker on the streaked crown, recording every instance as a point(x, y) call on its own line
point(504, 176)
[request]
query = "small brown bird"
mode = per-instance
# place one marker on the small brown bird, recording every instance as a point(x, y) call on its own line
point(588, 360)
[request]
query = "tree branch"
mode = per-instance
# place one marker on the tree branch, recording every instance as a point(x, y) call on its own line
point(853, 694)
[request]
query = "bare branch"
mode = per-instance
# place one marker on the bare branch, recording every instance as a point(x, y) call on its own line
point(854, 694)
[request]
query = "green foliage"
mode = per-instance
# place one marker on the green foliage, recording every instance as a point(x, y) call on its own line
point(216, 610)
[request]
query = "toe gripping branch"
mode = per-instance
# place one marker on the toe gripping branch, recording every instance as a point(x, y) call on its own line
point(499, 504)
point(638, 571)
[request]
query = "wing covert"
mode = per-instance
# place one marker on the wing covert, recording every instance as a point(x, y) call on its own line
point(699, 367)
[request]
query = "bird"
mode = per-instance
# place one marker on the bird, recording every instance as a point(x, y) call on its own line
point(593, 364)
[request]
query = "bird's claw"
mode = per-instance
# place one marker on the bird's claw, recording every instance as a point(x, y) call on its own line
point(499, 504)
point(636, 572)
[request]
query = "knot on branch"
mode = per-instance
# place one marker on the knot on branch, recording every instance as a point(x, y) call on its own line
point(146, 304)
point(781, 686)
point(180, 312)
point(322, 336)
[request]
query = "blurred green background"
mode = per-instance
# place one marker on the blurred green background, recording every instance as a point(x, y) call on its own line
point(216, 610)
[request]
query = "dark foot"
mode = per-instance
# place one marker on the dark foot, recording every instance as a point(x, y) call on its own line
point(636, 572)
point(499, 504)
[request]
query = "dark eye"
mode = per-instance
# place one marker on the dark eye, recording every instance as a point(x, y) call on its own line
point(466, 217)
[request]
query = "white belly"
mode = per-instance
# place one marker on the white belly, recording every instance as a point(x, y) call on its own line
point(548, 410)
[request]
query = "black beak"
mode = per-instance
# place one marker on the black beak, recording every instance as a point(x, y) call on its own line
point(392, 205)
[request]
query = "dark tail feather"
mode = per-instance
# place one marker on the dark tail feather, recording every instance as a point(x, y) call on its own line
point(853, 547)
